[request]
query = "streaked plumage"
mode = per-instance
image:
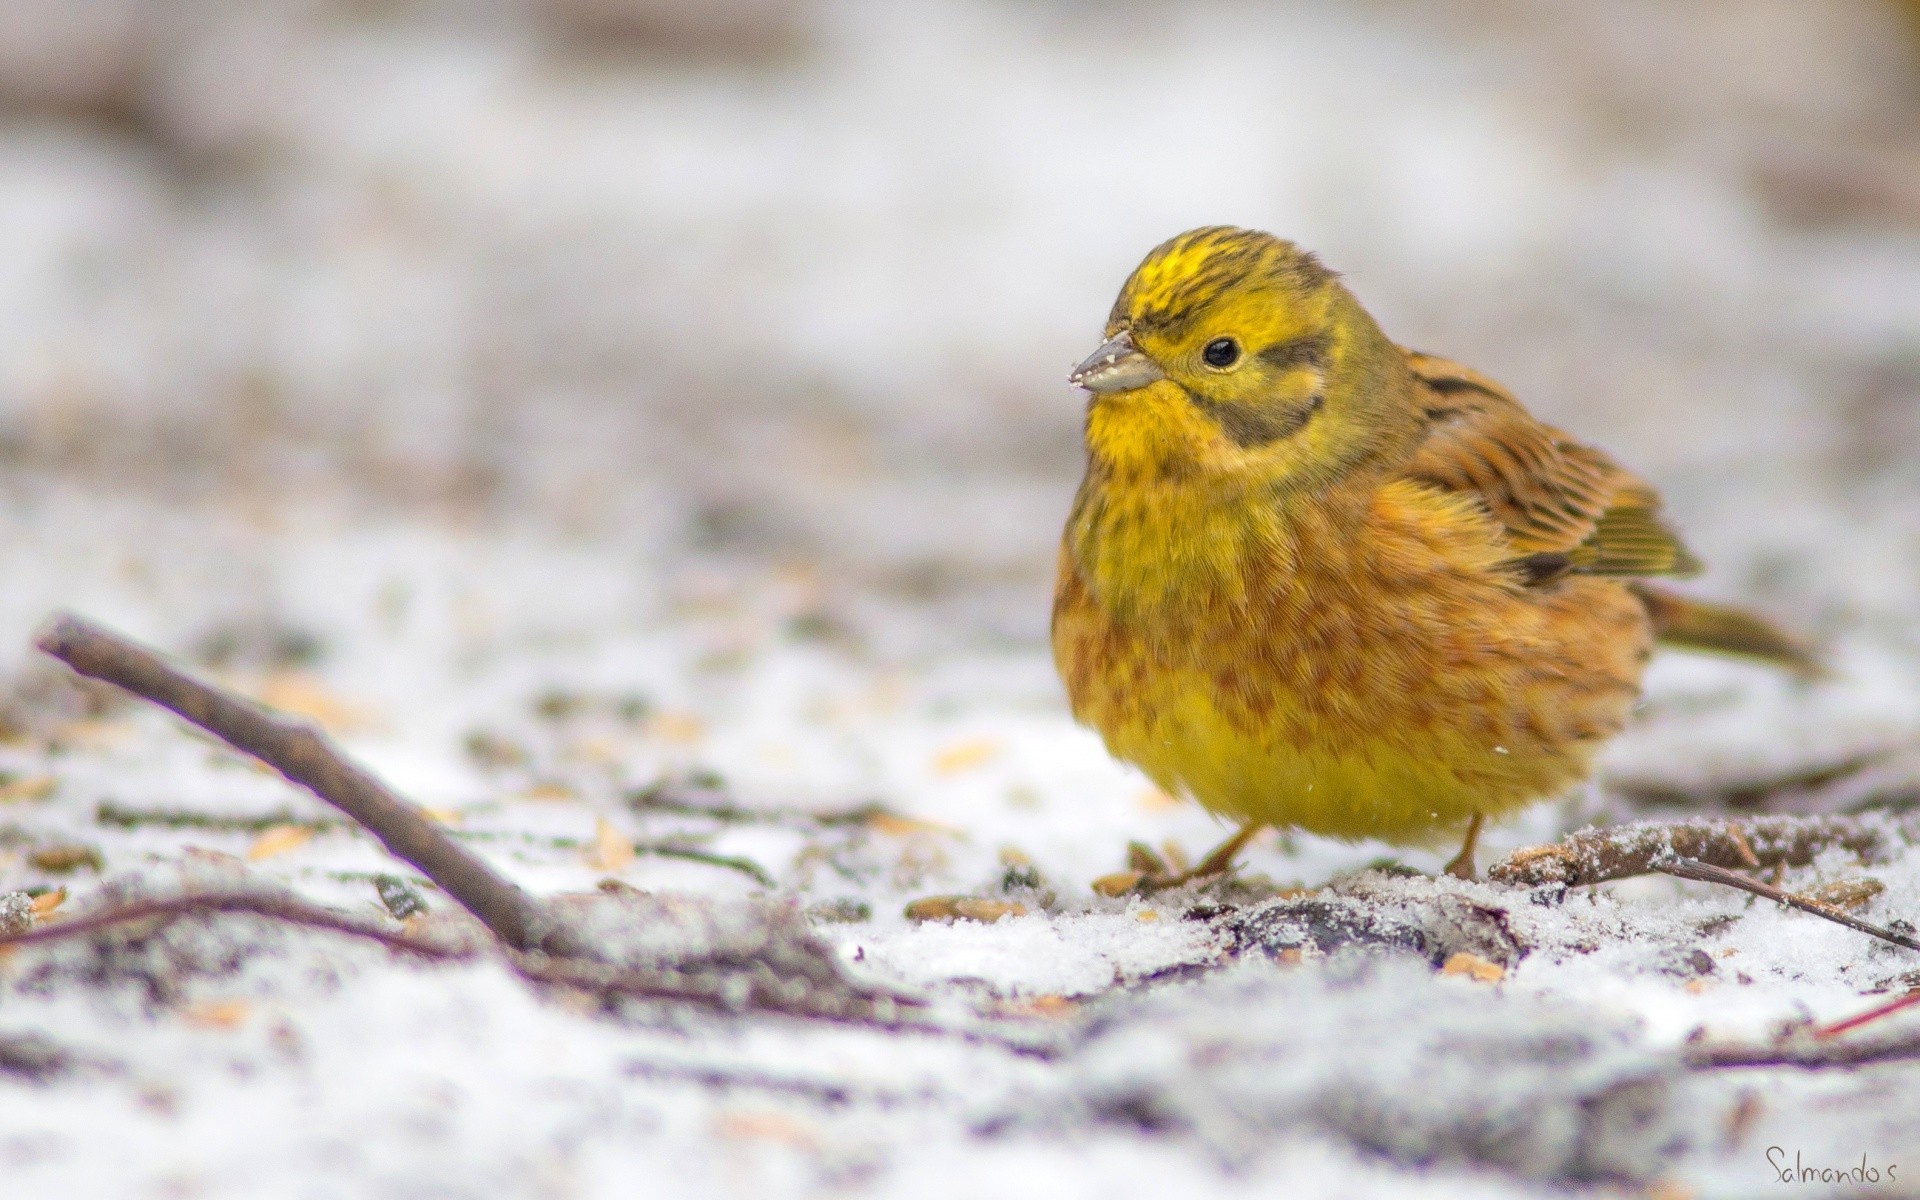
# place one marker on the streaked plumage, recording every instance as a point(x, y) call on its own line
point(1338, 585)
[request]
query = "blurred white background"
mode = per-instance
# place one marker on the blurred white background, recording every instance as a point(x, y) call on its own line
point(796, 281)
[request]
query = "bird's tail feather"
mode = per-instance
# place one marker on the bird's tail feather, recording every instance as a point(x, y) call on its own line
point(1721, 629)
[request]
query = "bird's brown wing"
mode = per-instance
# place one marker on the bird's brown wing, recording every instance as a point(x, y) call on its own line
point(1565, 506)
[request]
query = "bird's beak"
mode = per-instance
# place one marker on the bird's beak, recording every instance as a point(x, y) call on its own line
point(1117, 366)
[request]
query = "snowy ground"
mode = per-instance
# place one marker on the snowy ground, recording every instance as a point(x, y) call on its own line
point(556, 425)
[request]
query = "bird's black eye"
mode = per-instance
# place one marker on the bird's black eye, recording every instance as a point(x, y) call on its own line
point(1221, 352)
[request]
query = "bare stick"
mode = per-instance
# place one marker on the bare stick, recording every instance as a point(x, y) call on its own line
point(1873, 1014)
point(279, 908)
point(1803, 1052)
point(303, 756)
point(603, 979)
point(1682, 868)
point(1598, 855)
point(1686, 868)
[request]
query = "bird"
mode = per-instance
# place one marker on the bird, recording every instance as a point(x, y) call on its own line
point(1315, 580)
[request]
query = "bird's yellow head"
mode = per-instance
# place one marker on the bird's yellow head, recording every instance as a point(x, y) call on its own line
point(1233, 349)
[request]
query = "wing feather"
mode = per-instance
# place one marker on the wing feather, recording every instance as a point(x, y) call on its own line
point(1553, 495)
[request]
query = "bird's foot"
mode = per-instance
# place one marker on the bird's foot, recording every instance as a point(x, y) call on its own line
point(1150, 871)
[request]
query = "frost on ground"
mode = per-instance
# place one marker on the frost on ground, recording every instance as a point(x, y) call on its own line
point(646, 455)
point(1211, 1042)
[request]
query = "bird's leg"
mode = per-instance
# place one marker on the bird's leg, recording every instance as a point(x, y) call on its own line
point(1218, 860)
point(1462, 865)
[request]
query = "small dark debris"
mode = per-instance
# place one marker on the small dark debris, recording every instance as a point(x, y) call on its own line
point(818, 626)
point(1020, 877)
point(632, 707)
point(1686, 964)
point(1393, 866)
point(843, 910)
point(558, 704)
point(33, 1059)
point(563, 704)
point(492, 750)
point(258, 643)
point(677, 796)
point(1905, 981)
point(400, 897)
point(1141, 1111)
point(1548, 895)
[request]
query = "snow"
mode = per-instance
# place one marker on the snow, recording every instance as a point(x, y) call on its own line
point(673, 442)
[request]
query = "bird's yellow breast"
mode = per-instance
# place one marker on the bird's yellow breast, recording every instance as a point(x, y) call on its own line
point(1359, 665)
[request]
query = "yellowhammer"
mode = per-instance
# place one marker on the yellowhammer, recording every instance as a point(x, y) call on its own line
point(1315, 580)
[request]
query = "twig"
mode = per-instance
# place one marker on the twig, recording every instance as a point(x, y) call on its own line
point(1687, 868)
point(304, 757)
point(603, 979)
point(663, 798)
point(1804, 1052)
point(536, 945)
point(110, 813)
point(1873, 1014)
point(279, 908)
point(745, 866)
point(1800, 1055)
point(1598, 855)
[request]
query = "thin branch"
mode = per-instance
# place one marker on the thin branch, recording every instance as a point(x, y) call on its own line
point(303, 756)
point(663, 798)
point(538, 949)
point(1873, 1014)
point(1795, 1053)
point(603, 979)
point(107, 812)
point(1686, 868)
point(745, 866)
point(261, 904)
point(1598, 855)
point(1805, 1052)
